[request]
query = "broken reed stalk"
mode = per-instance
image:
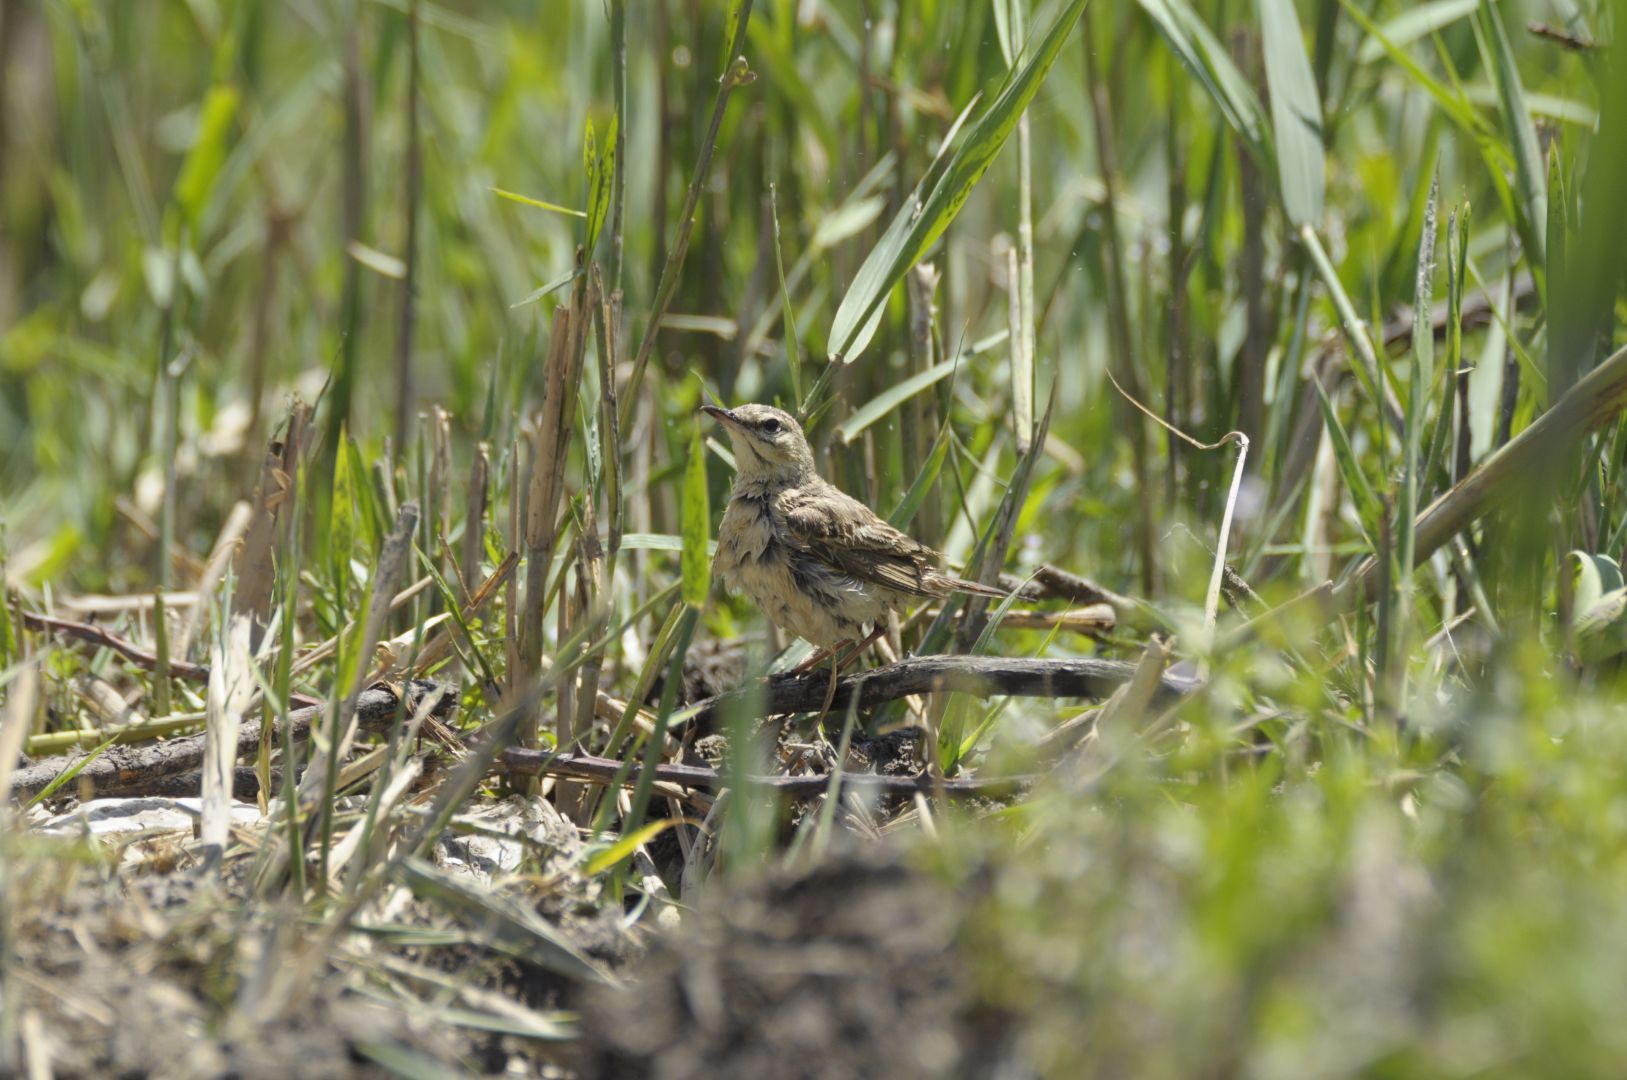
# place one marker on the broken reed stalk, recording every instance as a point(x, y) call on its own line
point(214, 571)
point(567, 343)
point(119, 768)
point(474, 522)
point(436, 500)
point(1595, 400)
point(254, 569)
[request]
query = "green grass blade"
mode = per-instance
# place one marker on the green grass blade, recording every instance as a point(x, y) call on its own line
point(929, 211)
point(1207, 59)
point(1414, 23)
point(697, 525)
point(1296, 113)
point(1529, 172)
point(1344, 455)
point(526, 200)
point(890, 398)
point(904, 512)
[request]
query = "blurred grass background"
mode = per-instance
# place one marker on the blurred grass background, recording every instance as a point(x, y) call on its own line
point(1385, 838)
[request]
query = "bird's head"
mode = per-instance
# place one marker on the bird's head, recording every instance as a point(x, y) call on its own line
point(768, 442)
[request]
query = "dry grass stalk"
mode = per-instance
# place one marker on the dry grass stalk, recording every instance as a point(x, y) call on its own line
point(231, 685)
point(254, 568)
point(392, 560)
point(19, 716)
point(226, 546)
point(474, 522)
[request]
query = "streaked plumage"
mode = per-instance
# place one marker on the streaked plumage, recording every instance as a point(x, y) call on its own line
point(819, 563)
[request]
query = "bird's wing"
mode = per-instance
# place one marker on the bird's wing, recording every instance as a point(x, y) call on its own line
point(847, 536)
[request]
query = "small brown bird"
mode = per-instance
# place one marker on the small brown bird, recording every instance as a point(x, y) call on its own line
point(820, 564)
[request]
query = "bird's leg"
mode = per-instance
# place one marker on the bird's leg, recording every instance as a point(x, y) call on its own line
point(858, 650)
point(830, 692)
point(820, 655)
point(838, 660)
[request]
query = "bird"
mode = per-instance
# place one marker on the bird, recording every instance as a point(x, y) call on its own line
point(819, 563)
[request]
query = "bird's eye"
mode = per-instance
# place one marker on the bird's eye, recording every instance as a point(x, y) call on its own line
point(771, 425)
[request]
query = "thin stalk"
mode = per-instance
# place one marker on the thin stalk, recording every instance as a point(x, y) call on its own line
point(351, 223)
point(1024, 344)
point(738, 74)
point(1420, 378)
point(618, 182)
point(1124, 359)
point(1175, 311)
point(409, 282)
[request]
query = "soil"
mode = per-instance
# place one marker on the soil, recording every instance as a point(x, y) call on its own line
point(149, 968)
point(846, 969)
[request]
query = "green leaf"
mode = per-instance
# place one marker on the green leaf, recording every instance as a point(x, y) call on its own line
point(552, 286)
point(793, 348)
point(67, 775)
point(890, 398)
point(342, 517)
point(1529, 172)
point(1596, 575)
point(697, 525)
point(1412, 24)
point(1296, 113)
point(1454, 105)
point(1009, 29)
point(1600, 631)
point(368, 514)
point(1196, 46)
point(601, 170)
point(1420, 380)
point(624, 847)
point(904, 512)
point(1367, 504)
point(527, 200)
point(846, 220)
point(203, 160)
point(936, 201)
point(739, 16)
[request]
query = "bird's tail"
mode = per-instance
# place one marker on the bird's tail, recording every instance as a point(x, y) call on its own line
point(973, 587)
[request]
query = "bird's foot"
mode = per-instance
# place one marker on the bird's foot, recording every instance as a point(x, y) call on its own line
point(830, 691)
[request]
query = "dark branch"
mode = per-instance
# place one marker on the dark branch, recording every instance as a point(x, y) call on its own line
point(983, 676)
point(136, 767)
point(608, 771)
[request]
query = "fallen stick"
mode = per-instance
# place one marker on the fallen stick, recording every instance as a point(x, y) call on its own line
point(983, 676)
point(529, 762)
point(138, 766)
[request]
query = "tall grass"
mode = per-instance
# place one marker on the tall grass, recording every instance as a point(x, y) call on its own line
point(1381, 241)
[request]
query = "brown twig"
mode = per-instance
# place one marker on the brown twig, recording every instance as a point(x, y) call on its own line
point(122, 768)
point(132, 652)
point(96, 635)
point(608, 770)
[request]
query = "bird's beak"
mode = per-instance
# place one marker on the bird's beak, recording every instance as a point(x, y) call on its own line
point(722, 416)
